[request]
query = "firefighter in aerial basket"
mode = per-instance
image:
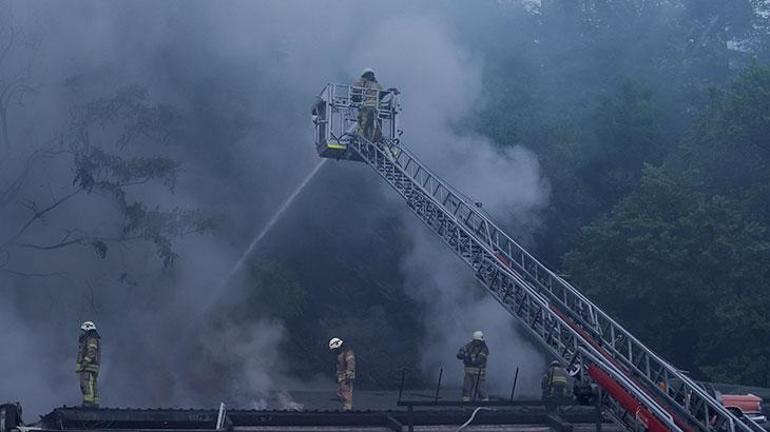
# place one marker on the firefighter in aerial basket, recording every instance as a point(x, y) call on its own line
point(370, 94)
point(474, 357)
point(369, 88)
point(346, 372)
point(555, 385)
point(87, 366)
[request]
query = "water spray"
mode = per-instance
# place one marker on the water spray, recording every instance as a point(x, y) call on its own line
point(269, 226)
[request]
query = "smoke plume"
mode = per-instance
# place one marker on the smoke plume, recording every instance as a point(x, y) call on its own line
point(242, 75)
point(441, 85)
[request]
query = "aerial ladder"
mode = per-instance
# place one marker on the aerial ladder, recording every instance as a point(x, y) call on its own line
point(639, 390)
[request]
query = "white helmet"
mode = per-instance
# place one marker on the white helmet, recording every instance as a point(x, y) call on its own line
point(367, 70)
point(478, 335)
point(335, 343)
point(87, 325)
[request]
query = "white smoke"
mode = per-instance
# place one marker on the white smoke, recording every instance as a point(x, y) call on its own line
point(248, 353)
point(278, 56)
point(440, 84)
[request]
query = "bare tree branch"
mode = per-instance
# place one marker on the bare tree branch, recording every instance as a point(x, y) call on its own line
point(19, 84)
point(97, 173)
point(58, 245)
point(83, 240)
point(9, 194)
point(28, 274)
point(92, 297)
point(6, 49)
point(39, 214)
point(17, 87)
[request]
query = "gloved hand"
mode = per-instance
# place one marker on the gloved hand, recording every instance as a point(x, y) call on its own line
point(461, 354)
point(350, 375)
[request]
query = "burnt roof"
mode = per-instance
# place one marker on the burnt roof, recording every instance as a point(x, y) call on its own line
point(200, 420)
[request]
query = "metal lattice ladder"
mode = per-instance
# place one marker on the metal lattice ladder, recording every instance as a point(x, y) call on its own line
point(572, 327)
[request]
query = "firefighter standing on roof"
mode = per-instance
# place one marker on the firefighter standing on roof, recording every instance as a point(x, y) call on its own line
point(89, 358)
point(346, 372)
point(554, 384)
point(474, 356)
point(368, 123)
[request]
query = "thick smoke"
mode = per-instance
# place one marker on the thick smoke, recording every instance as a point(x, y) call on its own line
point(441, 83)
point(249, 71)
point(158, 348)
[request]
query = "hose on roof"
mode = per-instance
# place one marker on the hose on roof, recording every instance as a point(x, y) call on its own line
point(470, 419)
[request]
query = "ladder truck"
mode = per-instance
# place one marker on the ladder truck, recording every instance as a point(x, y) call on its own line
point(638, 389)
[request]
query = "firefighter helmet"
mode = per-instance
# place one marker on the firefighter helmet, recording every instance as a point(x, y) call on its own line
point(367, 71)
point(87, 325)
point(555, 363)
point(335, 343)
point(478, 335)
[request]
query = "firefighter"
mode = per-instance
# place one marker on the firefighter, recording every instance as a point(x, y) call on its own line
point(554, 384)
point(89, 358)
point(368, 123)
point(346, 372)
point(474, 357)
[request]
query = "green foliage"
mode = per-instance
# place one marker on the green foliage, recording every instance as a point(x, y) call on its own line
point(161, 227)
point(125, 119)
point(683, 271)
point(684, 260)
point(130, 112)
point(593, 166)
point(94, 168)
point(734, 132)
point(626, 134)
point(677, 250)
point(116, 157)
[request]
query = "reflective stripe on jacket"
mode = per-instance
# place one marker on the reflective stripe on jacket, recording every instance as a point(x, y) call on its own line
point(89, 352)
point(558, 376)
point(346, 364)
point(474, 354)
point(370, 92)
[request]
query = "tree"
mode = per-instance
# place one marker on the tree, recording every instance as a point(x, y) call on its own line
point(626, 134)
point(14, 69)
point(598, 161)
point(684, 260)
point(730, 144)
point(109, 147)
point(684, 271)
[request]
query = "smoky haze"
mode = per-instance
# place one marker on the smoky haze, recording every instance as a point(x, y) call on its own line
point(246, 72)
point(440, 89)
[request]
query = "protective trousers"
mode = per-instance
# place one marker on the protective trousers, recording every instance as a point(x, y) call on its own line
point(88, 388)
point(368, 124)
point(345, 393)
point(475, 385)
point(555, 397)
